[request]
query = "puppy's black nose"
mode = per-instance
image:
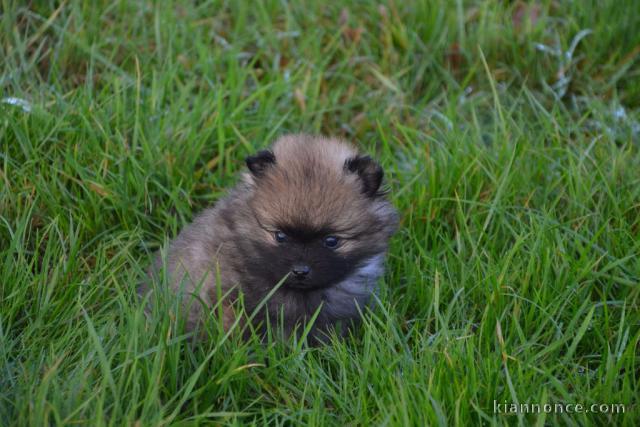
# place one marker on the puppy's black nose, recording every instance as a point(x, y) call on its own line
point(300, 271)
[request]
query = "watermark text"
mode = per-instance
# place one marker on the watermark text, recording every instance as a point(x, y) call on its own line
point(557, 408)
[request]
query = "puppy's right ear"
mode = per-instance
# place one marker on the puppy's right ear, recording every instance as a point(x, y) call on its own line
point(260, 162)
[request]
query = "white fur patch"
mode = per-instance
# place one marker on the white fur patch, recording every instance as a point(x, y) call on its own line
point(342, 299)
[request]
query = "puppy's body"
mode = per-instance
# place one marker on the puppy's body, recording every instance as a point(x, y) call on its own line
point(312, 210)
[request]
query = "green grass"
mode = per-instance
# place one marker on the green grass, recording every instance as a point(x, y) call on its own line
point(511, 145)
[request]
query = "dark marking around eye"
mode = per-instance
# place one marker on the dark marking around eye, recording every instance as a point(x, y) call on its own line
point(308, 234)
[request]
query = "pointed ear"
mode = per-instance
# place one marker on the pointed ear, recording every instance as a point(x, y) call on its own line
point(369, 171)
point(260, 162)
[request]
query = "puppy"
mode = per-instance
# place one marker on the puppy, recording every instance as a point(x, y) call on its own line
point(308, 215)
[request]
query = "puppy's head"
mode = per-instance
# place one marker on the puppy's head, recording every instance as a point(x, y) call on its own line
point(319, 212)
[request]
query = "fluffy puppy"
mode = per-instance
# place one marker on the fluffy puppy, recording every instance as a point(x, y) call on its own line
point(310, 211)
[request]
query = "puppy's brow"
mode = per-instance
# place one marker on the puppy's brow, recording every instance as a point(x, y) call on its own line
point(302, 232)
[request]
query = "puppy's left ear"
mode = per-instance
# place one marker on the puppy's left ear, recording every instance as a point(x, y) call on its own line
point(369, 172)
point(260, 162)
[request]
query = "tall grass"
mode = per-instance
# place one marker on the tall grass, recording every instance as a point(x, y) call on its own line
point(510, 135)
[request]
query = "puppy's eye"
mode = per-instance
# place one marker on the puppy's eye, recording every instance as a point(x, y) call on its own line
point(331, 242)
point(280, 236)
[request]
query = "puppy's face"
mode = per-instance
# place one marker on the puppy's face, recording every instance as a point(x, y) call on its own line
point(318, 214)
point(310, 258)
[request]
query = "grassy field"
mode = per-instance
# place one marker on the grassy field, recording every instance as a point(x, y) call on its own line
point(510, 134)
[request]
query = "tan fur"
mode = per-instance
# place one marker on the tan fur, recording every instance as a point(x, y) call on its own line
point(308, 184)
